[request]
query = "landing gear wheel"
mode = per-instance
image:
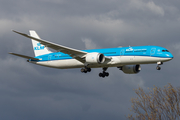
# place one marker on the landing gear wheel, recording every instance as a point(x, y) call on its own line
point(89, 69)
point(82, 70)
point(100, 74)
point(103, 75)
point(106, 74)
point(158, 68)
point(85, 70)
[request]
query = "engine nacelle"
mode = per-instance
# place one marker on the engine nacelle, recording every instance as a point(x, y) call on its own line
point(95, 58)
point(131, 69)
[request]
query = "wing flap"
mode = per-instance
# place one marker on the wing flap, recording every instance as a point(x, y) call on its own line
point(24, 56)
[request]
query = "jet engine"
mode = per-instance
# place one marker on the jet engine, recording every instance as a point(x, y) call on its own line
point(95, 58)
point(131, 69)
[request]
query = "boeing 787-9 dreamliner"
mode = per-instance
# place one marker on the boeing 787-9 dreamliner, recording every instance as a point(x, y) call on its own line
point(127, 59)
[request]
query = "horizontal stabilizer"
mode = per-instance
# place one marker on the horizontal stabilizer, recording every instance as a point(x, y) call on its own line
point(23, 56)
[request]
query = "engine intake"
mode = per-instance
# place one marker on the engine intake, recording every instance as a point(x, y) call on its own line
point(95, 58)
point(131, 69)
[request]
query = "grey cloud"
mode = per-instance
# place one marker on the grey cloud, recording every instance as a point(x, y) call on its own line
point(33, 92)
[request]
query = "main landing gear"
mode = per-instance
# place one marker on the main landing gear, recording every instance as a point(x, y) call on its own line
point(158, 67)
point(85, 70)
point(104, 73)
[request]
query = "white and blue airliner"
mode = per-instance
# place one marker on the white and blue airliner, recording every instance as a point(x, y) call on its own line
point(127, 59)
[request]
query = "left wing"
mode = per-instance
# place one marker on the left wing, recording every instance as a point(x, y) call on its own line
point(76, 54)
point(24, 56)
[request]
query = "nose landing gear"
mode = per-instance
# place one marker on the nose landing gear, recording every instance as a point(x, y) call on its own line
point(158, 67)
point(104, 73)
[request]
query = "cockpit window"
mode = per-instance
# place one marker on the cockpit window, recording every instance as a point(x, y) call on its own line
point(165, 51)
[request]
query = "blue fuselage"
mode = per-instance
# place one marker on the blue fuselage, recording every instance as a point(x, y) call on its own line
point(143, 51)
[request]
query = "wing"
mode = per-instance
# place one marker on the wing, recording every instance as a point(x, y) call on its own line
point(76, 54)
point(24, 56)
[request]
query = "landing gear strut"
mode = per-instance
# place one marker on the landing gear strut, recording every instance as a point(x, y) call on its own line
point(104, 73)
point(158, 67)
point(85, 70)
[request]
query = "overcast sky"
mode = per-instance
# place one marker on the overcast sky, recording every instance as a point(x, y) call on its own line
point(31, 92)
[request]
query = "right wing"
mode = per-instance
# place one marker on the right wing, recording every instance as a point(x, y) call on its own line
point(76, 54)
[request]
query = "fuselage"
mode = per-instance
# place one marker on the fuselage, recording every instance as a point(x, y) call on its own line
point(117, 57)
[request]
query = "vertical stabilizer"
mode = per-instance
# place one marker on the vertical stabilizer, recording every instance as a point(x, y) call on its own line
point(38, 48)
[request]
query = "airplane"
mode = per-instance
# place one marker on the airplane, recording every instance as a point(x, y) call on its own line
point(127, 59)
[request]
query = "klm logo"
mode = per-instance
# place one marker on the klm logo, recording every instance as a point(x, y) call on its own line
point(130, 49)
point(39, 47)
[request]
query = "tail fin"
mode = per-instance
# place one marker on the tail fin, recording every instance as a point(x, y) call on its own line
point(38, 48)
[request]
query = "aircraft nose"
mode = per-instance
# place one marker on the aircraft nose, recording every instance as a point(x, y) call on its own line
point(170, 56)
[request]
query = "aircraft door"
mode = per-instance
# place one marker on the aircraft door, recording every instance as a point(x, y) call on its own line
point(153, 50)
point(49, 58)
point(121, 56)
point(122, 52)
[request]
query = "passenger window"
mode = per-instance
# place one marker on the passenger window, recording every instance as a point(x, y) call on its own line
point(163, 50)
